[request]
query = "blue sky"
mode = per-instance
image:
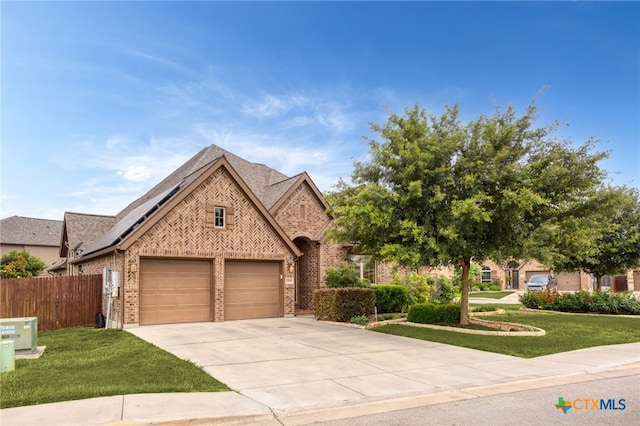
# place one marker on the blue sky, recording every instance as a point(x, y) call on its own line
point(100, 101)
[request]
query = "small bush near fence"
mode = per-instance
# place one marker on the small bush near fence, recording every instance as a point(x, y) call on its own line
point(583, 302)
point(342, 304)
point(391, 298)
point(428, 313)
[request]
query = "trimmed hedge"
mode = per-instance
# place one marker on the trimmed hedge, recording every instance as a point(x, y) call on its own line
point(428, 313)
point(391, 298)
point(342, 304)
point(583, 302)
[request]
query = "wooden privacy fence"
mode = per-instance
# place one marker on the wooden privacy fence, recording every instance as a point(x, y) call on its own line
point(58, 302)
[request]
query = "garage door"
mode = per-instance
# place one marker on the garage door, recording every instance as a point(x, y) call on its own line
point(568, 281)
point(252, 290)
point(174, 291)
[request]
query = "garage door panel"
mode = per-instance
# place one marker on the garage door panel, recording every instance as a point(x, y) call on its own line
point(174, 291)
point(568, 281)
point(252, 290)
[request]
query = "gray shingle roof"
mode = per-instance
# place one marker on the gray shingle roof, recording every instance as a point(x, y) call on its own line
point(84, 228)
point(30, 231)
point(267, 184)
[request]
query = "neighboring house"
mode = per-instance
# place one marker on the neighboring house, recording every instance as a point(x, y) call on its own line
point(40, 237)
point(220, 238)
point(78, 231)
point(514, 274)
point(510, 275)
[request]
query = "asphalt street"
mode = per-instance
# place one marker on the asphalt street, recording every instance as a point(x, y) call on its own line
point(532, 407)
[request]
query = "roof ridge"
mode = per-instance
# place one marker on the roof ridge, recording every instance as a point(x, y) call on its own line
point(90, 214)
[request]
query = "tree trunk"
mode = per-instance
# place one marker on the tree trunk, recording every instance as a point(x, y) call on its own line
point(598, 283)
point(464, 283)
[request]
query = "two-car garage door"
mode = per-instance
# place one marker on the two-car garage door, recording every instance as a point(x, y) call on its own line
point(178, 290)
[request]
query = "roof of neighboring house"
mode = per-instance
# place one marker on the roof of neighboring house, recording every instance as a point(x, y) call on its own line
point(264, 184)
point(80, 230)
point(30, 231)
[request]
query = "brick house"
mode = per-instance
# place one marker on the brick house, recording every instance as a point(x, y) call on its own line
point(509, 275)
point(220, 238)
point(79, 230)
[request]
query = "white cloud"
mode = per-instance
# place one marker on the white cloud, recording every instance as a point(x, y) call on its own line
point(136, 173)
point(273, 106)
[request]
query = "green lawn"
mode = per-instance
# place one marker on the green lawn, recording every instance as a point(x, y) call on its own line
point(504, 306)
point(563, 333)
point(490, 294)
point(86, 363)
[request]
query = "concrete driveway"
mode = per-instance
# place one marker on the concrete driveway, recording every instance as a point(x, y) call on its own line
point(293, 364)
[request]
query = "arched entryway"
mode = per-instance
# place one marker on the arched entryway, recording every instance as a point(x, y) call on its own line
point(307, 274)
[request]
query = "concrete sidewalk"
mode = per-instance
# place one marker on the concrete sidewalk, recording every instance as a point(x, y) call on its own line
point(298, 370)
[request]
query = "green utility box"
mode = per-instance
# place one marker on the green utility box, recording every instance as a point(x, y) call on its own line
point(23, 332)
point(7, 356)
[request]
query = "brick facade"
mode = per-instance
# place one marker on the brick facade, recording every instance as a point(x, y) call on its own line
point(181, 233)
point(303, 217)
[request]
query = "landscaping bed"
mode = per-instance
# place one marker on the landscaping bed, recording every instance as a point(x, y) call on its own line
point(583, 302)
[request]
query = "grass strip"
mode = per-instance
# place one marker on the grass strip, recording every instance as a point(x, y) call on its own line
point(490, 294)
point(84, 363)
point(563, 333)
point(503, 306)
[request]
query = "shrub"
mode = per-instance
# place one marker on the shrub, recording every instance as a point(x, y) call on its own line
point(391, 298)
point(20, 264)
point(417, 285)
point(494, 288)
point(496, 282)
point(344, 275)
point(342, 304)
point(441, 290)
point(582, 301)
point(428, 313)
point(360, 320)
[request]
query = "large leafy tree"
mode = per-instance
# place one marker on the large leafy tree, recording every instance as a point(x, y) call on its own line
point(20, 264)
point(608, 238)
point(436, 191)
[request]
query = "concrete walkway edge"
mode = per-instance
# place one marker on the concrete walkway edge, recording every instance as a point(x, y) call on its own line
point(231, 408)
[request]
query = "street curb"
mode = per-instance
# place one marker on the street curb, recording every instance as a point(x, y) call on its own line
point(467, 393)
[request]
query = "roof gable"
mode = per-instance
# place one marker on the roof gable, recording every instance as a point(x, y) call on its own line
point(143, 215)
point(80, 230)
point(258, 177)
point(301, 179)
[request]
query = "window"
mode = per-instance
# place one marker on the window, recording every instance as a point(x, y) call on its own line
point(486, 274)
point(218, 217)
